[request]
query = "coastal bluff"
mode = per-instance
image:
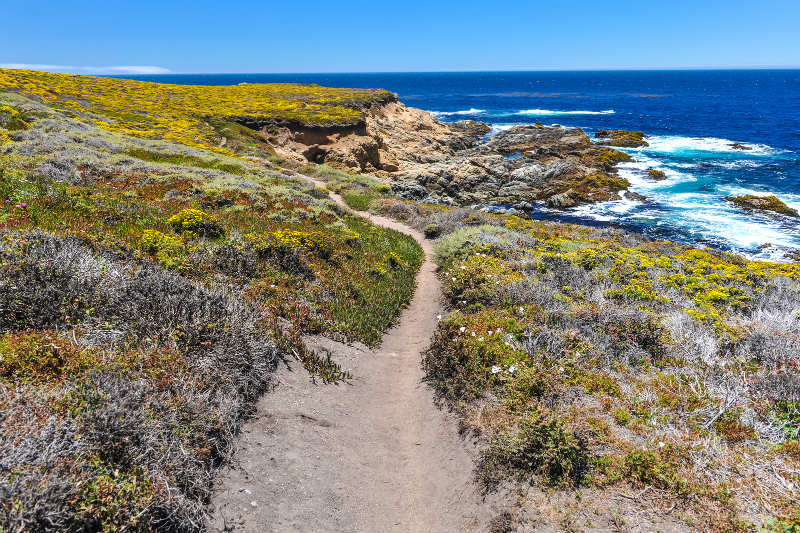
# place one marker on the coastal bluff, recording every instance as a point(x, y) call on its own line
point(457, 163)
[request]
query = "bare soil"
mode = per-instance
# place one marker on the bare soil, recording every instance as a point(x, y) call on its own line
point(373, 454)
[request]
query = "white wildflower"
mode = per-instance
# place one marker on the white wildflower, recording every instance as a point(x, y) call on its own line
point(473, 333)
point(454, 279)
point(439, 317)
point(480, 339)
point(490, 332)
point(496, 369)
point(462, 329)
point(512, 368)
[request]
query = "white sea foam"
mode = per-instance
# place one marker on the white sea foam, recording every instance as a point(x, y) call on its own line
point(497, 128)
point(674, 144)
point(471, 111)
point(636, 173)
point(550, 112)
point(741, 231)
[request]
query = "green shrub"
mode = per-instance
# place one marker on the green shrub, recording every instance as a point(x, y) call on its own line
point(542, 446)
point(658, 468)
point(194, 222)
point(622, 416)
point(358, 200)
point(432, 231)
point(11, 119)
point(461, 242)
point(186, 160)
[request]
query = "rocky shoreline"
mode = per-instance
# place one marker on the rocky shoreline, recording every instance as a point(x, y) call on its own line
point(458, 163)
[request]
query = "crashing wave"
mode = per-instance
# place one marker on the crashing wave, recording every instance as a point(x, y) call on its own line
point(471, 111)
point(551, 112)
point(675, 144)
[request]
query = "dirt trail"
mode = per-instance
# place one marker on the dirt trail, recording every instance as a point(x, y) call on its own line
point(371, 455)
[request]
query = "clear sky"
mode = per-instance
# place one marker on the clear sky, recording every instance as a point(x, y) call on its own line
point(361, 36)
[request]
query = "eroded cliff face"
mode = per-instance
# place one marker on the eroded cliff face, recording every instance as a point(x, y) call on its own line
point(454, 163)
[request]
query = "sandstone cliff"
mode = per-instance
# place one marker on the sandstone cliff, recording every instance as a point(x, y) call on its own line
point(456, 163)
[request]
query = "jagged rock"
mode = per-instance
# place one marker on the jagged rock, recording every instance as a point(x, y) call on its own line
point(473, 127)
point(766, 204)
point(625, 138)
point(533, 139)
point(444, 162)
point(562, 200)
point(656, 175)
point(409, 190)
point(737, 146)
point(630, 195)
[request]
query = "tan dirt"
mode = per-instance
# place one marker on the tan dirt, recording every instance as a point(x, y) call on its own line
point(374, 454)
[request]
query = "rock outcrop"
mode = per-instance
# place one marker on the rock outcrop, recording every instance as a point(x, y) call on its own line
point(454, 163)
point(630, 139)
point(766, 204)
point(743, 147)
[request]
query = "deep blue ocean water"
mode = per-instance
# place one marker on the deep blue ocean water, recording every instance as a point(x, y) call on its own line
point(691, 119)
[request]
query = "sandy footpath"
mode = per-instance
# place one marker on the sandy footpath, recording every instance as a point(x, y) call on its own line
point(374, 454)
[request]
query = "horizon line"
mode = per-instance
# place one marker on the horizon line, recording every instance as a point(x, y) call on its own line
point(455, 71)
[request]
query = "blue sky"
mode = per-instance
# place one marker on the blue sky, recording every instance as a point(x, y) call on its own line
point(368, 36)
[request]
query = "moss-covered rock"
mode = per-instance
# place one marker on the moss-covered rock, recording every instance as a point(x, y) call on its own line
point(656, 175)
point(770, 204)
point(631, 139)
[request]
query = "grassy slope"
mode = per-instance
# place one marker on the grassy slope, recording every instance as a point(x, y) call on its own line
point(150, 279)
point(598, 364)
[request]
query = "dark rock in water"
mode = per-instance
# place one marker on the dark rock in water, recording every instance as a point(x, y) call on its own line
point(630, 195)
point(657, 175)
point(561, 200)
point(737, 146)
point(768, 204)
point(625, 138)
point(793, 255)
point(473, 127)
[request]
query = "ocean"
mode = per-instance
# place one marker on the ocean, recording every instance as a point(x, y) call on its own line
point(691, 119)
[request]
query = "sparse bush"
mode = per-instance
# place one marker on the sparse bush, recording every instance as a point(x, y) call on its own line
point(11, 119)
point(148, 434)
point(541, 446)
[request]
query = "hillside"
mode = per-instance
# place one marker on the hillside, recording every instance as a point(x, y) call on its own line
point(151, 281)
